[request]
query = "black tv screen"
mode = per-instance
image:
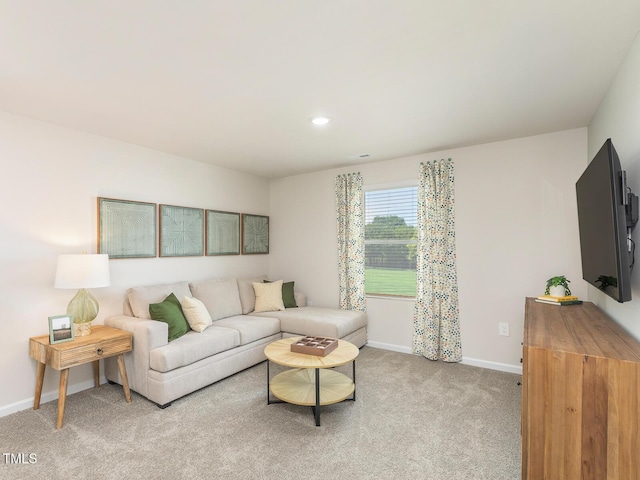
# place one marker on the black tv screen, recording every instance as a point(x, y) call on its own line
point(603, 228)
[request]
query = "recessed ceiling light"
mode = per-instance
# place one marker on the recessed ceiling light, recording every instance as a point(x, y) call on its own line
point(320, 120)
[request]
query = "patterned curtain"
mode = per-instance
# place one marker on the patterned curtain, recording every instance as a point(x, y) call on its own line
point(436, 322)
point(350, 216)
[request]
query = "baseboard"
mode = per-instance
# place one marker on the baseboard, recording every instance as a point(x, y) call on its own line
point(503, 367)
point(389, 346)
point(47, 397)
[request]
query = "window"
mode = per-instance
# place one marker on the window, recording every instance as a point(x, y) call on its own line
point(390, 238)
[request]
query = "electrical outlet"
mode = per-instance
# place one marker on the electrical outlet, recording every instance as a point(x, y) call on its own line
point(503, 329)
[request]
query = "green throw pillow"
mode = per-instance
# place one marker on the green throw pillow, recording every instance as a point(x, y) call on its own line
point(288, 298)
point(169, 311)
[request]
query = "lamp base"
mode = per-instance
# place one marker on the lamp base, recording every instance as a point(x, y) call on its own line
point(82, 329)
point(83, 308)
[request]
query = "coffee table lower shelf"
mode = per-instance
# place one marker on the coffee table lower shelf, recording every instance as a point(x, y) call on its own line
point(298, 386)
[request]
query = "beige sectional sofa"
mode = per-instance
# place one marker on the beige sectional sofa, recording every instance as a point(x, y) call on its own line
point(163, 371)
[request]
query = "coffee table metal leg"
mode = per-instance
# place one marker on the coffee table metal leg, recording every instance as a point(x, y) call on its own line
point(268, 390)
point(317, 409)
point(354, 380)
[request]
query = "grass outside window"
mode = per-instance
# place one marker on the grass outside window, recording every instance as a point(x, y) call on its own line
point(391, 282)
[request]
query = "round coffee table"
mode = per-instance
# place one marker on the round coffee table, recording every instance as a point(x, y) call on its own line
point(310, 380)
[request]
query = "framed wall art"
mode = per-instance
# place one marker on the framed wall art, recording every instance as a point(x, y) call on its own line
point(223, 233)
point(60, 329)
point(181, 231)
point(255, 234)
point(126, 229)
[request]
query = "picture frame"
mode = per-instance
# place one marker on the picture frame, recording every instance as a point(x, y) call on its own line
point(126, 228)
point(181, 231)
point(255, 234)
point(222, 233)
point(61, 329)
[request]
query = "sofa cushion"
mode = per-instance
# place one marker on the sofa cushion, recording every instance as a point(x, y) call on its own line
point(268, 296)
point(192, 347)
point(288, 295)
point(318, 321)
point(141, 297)
point(247, 295)
point(251, 328)
point(219, 295)
point(196, 314)
point(170, 312)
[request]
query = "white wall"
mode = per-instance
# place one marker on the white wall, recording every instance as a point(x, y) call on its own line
point(51, 179)
point(516, 225)
point(618, 118)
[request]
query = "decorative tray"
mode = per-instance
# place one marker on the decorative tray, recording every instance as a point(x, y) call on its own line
point(318, 346)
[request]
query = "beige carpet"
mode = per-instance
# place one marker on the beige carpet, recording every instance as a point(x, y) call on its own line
point(412, 419)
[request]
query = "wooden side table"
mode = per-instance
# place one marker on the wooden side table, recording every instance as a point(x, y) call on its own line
point(103, 342)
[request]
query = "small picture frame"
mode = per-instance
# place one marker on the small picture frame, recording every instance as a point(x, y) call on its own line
point(61, 329)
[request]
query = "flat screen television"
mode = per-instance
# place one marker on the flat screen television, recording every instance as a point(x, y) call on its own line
point(602, 218)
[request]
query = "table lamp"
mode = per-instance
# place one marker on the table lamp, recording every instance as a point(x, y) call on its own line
point(82, 272)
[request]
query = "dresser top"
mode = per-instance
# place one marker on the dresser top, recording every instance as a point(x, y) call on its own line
point(582, 329)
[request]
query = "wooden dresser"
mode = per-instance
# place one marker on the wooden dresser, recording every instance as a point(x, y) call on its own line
point(580, 395)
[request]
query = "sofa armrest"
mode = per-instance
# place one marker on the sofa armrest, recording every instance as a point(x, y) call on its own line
point(147, 335)
point(301, 299)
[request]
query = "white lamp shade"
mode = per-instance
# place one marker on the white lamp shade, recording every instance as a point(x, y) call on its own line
point(83, 271)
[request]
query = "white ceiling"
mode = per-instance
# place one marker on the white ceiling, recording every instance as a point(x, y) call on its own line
point(234, 82)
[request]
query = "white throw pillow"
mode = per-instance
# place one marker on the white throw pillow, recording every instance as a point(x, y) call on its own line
point(268, 296)
point(247, 295)
point(196, 314)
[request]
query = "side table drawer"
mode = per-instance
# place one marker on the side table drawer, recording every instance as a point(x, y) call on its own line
point(88, 353)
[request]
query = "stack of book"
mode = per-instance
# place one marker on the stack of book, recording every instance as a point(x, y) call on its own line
point(560, 301)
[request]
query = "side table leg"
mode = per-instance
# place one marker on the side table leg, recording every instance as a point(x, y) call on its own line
point(96, 373)
point(39, 382)
point(125, 380)
point(62, 396)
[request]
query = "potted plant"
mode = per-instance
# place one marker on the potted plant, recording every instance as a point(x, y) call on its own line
point(558, 286)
